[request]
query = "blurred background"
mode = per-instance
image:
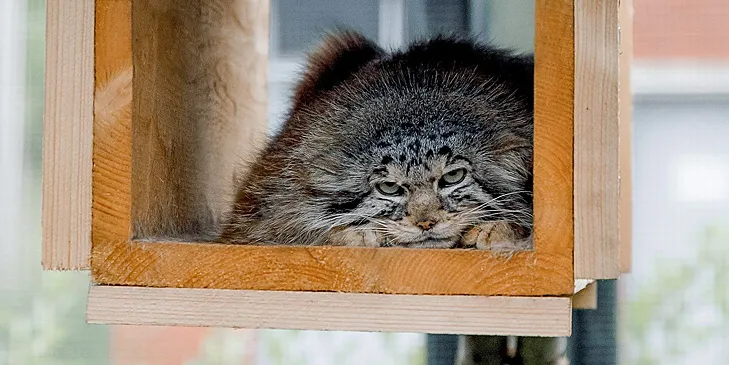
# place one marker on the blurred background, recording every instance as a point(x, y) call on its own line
point(672, 309)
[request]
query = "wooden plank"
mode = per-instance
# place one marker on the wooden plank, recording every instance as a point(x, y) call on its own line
point(596, 136)
point(626, 135)
point(111, 206)
point(330, 311)
point(345, 269)
point(118, 259)
point(67, 135)
point(586, 298)
point(200, 107)
point(553, 127)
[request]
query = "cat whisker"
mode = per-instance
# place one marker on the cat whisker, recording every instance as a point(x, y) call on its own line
point(371, 229)
point(522, 214)
point(340, 219)
point(496, 199)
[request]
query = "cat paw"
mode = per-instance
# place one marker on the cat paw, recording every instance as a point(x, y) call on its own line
point(494, 236)
point(353, 237)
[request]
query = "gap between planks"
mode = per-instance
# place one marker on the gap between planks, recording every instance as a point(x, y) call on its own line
point(518, 316)
point(586, 298)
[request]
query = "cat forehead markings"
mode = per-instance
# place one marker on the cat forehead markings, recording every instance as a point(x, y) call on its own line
point(414, 161)
point(423, 171)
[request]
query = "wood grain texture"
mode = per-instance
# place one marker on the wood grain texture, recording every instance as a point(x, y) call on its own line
point(118, 259)
point(553, 129)
point(112, 147)
point(626, 136)
point(67, 135)
point(586, 298)
point(343, 269)
point(200, 76)
point(596, 135)
point(330, 311)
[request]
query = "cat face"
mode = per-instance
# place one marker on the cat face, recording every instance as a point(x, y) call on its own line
point(427, 205)
point(418, 169)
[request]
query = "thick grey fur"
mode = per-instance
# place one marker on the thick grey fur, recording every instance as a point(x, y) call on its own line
point(362, 116)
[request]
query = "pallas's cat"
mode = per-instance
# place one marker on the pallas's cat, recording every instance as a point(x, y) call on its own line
point(428, 147)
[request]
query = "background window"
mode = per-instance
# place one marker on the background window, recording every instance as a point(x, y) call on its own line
point(298, 26)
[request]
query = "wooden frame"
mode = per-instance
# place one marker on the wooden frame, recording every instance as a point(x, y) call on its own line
point(139, 96)
point(128, 154)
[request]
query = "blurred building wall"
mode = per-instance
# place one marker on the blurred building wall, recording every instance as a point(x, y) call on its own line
point(681, 29)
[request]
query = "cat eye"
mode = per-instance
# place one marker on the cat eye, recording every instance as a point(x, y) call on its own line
point(389, 188)
point(453, 177)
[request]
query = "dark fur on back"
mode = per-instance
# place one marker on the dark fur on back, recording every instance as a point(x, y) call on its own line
point(362, 117)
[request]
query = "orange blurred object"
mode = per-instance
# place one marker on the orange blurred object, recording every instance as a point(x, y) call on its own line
point(681, 29)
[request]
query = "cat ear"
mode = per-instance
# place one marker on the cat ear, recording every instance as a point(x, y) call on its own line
point(334, 61)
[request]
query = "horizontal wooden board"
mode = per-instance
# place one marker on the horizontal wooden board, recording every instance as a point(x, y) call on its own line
point(330, 311)
point(323, 268)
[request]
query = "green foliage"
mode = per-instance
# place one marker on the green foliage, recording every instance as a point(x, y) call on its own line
point(48, 327)
point(683, 309)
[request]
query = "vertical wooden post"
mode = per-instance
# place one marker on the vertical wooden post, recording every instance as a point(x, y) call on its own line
point(626, 135)
point(554, 77)
point(596, 136)
point(200, 71)
point(112, 125)
point(67, 134)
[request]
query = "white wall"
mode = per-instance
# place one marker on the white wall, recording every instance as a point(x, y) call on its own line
point(13, 17)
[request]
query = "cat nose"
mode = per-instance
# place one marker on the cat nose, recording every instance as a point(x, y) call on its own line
point(425, 225)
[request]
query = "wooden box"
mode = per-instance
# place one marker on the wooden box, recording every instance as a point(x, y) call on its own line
point(132, 85)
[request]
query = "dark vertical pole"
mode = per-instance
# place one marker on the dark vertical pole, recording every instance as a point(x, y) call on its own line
point(442, 349)
point(594, 332)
